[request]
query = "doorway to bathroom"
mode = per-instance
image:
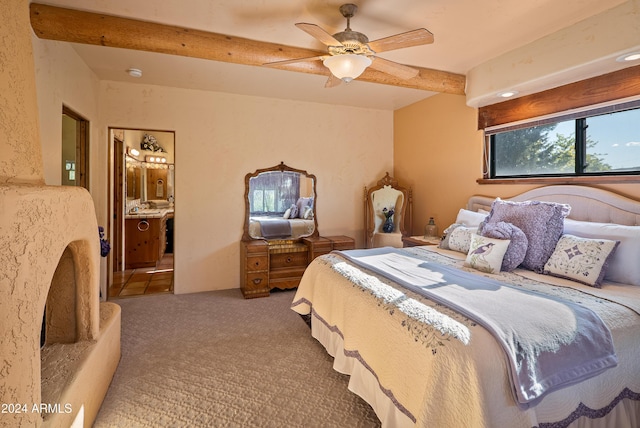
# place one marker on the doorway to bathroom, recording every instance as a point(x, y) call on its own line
point(143, 212)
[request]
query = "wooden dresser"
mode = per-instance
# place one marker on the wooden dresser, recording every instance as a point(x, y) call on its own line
point(265, 265)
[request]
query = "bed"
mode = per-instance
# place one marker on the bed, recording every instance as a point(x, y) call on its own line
point(418, 362)
point(277, 227)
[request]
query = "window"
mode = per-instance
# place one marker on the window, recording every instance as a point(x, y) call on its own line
point(603, 141)
point(271, 193)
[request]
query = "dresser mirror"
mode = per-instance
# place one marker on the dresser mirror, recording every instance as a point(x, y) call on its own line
point(148, 181)
point(280, 204)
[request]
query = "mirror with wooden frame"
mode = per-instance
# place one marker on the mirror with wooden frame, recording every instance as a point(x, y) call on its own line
point(280, 204)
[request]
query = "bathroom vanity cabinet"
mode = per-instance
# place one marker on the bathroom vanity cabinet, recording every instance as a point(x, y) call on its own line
point(145, 240)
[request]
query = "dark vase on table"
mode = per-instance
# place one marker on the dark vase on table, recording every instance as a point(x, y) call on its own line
point(388, 225)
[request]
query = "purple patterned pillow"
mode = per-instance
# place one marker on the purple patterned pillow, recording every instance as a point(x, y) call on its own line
point(517, 248)
point(541, 222)
point(294, 211)
point(301, 204)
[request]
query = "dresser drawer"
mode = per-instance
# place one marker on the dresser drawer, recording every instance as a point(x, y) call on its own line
point(257, 263)
point(342, 242)
point(257, 281)
point(283, 260)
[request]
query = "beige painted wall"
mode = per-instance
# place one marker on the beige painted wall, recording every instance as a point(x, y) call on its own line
point(438, 151)
point(62, 78)
point(221, 137)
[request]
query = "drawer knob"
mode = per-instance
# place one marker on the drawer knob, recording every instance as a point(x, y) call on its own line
point(289, 259)
point(257, 281)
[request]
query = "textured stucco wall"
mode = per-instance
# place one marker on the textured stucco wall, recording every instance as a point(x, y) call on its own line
point(20, 159)
point(38, 224)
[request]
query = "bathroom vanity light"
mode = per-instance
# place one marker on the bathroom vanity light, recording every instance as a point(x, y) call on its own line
point(134, 153)
point(155, 159)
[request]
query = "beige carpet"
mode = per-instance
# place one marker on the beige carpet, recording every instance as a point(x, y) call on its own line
point(217, 360)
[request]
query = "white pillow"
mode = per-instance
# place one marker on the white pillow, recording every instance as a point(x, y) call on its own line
point(580, 259)
point(458, 238)
point(470, 218)
point(486, 254)
point(287, 213)
point(624, 265)
point(308, 213)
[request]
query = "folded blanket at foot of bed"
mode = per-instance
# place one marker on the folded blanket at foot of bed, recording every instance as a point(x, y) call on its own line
point(275, 228)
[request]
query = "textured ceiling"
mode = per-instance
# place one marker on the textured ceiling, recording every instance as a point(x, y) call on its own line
point(467, 33)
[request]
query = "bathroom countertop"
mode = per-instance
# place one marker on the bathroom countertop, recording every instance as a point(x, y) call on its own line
point(149, 213)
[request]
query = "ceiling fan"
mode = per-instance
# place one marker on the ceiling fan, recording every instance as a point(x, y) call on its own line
point(351, 52)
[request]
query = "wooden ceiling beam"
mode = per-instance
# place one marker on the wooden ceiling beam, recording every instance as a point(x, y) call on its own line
point(75, 26)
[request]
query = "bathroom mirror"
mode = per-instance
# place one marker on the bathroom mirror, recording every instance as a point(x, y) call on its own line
point(280, 204)
point(149, 173)
point(133, 178)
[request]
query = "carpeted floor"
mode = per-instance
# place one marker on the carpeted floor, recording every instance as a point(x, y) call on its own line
point(215, 359)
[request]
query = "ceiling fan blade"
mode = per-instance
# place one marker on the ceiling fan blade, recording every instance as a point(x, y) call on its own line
point(318, 33)
point(332, 81)
point(393, 68)
point(417, 37)
point(293, 61)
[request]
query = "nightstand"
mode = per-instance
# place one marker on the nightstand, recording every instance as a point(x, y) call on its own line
point(416, 241)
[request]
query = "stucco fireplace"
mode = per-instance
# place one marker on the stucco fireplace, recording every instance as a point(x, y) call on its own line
point(49, 257)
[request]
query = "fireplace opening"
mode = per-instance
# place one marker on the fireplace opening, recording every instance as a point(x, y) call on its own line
point(61, 312)
point(43, 328)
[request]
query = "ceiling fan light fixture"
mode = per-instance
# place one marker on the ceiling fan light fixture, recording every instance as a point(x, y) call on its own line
point(347, 67)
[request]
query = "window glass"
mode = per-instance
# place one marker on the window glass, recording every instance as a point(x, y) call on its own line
point(272, 192)
point(600, 144)
point(258, 201)
point(613, 142)
point(539, 150)
point(270, 200)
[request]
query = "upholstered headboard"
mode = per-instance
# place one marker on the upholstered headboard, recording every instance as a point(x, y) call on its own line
point(587, 203)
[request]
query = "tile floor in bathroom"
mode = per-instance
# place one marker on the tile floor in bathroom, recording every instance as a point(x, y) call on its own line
point(143, 281)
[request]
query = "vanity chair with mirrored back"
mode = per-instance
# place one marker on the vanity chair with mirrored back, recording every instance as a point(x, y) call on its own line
point(280, 230)
point(381, 227)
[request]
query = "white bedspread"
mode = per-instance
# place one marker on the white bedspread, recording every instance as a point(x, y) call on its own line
point(434, 367)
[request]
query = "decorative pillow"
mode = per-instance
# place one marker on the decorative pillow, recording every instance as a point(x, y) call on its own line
point(470, 218)
point(624, 266)
point(457, 238)
point(303, 203)
point(287, 213)
point(541, 222)
point(485, 254)
point(294, 211)
point(581, 259)
point(517, 248)
point(446, 234)
point(308, 213)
